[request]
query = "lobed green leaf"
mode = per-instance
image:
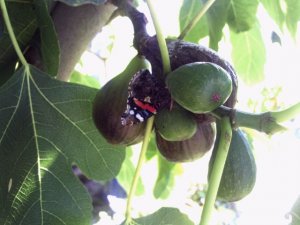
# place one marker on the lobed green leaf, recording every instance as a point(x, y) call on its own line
point(242, 14)
point(216, 19)
point(45, 127)
point(152, 148)
point(249, 55)
point(164, 216)
point(166, 177)
point(49, 43)
point(292, 15)
point(79, 78)
point(188, 10)
point(275, 11)
point(127, 172)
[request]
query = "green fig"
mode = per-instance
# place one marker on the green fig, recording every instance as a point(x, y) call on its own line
point(189, 149)
point(110, 103)
point(183, 52)
point(199, 87)
point(176, 124)
point(239, 174)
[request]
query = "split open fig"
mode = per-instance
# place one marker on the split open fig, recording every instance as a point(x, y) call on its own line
point(110, 103)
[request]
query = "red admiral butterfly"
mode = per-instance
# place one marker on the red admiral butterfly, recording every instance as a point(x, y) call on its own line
point(145, 96)
point(137, 111)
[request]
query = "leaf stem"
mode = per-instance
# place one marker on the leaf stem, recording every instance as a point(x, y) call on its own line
point(196, 18)
point(217, 170)
point(161, 40)
point(12, 35)
point(141, 160)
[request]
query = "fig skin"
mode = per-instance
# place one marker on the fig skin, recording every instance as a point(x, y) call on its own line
point(190, 149)
point(110, 103)
point(239, 174)
point(199, 87)
point(176, 124)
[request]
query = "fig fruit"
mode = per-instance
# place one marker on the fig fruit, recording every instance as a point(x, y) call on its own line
point(239, 174)
point(176, 124)
point(190, 149)
point(110, 103)
point(199, 87)
point(181, 53)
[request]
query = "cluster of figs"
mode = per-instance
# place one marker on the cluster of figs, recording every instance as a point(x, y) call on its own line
point(185, 129)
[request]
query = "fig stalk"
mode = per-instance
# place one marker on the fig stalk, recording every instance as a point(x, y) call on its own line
point(161, 41)
point(217, 170)
point(141, 160)
point(195, 20)
point(150, 122)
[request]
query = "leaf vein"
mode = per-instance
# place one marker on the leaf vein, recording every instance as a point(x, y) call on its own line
point(61, 220)
point(16, 197)
point(65, 187)
point(73, 124)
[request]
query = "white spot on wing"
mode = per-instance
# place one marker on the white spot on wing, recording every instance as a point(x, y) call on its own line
point(139, 117)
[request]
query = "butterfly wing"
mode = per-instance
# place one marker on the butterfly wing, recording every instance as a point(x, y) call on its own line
point(137, 111)
point(140, 109)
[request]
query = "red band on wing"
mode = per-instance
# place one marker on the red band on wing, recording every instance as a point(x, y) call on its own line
point(144, 106)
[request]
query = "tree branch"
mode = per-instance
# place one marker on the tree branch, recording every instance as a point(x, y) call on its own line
point(263, 122)
point(138, 20)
